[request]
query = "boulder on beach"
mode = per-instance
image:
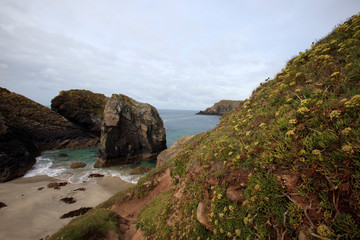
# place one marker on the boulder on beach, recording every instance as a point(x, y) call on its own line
point(82, 107)
point(57, 185)
point(132, 131)
point(77, 165)
point(2, 205)
point(92, 175)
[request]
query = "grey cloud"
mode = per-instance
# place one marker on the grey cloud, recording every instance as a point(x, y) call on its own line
point(172, 54)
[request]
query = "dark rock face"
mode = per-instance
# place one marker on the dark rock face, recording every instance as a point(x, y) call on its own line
point(27, 128)
point(82, 107)
point(221, 108)
point(16, 154)
point(131, 131)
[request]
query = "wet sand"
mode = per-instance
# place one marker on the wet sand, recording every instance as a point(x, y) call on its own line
point(34, 214)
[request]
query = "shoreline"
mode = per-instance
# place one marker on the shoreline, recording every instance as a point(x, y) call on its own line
point(33, 210)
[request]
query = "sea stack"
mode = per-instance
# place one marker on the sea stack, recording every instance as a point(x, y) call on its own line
point(131, 131)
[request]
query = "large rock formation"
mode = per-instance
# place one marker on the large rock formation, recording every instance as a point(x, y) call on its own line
point(131, 131)
point(16, 154)
point(27, 128)
point(82, 107)
point(221, 108)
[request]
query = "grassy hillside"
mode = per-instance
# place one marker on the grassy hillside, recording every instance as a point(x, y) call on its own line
point(291, 152)
point(286, 165)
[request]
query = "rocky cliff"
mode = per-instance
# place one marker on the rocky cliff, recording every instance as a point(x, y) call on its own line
point(285, 165)
point(221, 108)
point(28, 128)
point(131, 131)
point(82, 107)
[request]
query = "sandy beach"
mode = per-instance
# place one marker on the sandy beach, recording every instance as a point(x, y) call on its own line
point(33, 210)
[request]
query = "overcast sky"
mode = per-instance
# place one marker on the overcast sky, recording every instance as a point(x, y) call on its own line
point(173, 54)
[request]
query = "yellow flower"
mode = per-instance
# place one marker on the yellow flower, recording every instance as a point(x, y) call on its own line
point(346, 131)
point(289, 133)
point(316, 152)
point(238, 232)
point(303, 110)
point(347, 148)
point(292, 121)
point(335, 114)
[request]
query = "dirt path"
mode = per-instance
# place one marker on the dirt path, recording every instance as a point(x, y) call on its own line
point(129, 210)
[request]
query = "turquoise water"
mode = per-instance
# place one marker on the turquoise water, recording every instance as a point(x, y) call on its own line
point(177, 123)
point(185, 122)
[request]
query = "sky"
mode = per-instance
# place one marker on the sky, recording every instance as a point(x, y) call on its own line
point(177, 54)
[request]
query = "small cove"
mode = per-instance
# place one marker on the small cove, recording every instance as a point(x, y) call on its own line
point(177, 123)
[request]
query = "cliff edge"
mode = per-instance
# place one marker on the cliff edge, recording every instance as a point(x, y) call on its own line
point(29, 128)
point(222, 107)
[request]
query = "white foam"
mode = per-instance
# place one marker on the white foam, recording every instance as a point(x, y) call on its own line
point(42, 167)
point(45, 166)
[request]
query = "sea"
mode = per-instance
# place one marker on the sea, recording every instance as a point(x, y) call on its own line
point(177, 124)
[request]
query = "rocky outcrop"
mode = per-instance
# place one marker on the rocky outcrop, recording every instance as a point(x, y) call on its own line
point(82, 107)
point(27, 128)
point(221, 108)
point(171, 152)
point(131, 131)
point(16, 153)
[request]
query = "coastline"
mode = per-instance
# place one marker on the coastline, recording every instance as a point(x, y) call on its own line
point(33, 210)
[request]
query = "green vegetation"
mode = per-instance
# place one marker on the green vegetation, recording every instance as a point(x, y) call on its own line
point(294, 144)
point(96, 223)
point(156, 209)
point(291, 152)
point(74, 102)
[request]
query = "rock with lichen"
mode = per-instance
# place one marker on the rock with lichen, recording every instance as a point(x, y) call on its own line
point(82, 107)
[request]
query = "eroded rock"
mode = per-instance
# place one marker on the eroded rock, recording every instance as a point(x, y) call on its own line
point(201, 215)
point(132, 131)
point(27, 128)
point(235, 194)
point(82, 107)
